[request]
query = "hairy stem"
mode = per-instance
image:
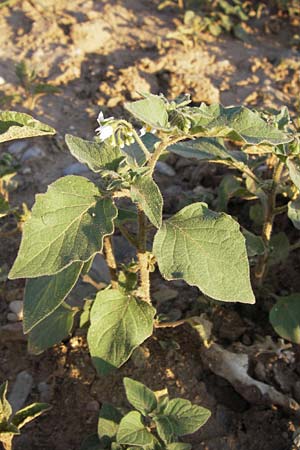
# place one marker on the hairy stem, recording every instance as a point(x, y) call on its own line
point(141, 144)
point(111, 261)
point(270, 213)
point(143, 257)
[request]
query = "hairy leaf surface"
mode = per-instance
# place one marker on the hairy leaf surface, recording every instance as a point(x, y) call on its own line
point(51, 330)
point(285, 317)
point(119, 323)
point(96, 155)
point(207, 250)
point(68, 224)
point(145, 191)
point(132, 431)
point(44, 294)
point(139, 396)
point(16, 125)
point(108, 423)
point(151, 111)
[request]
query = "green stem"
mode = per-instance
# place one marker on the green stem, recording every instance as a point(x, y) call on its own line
point(143, 257)
point(111, 261)
point(141, 144)
point(270, 213)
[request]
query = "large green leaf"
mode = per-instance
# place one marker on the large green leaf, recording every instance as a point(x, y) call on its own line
point(294, 212)
point(119, 323)
point(206, 149)
point(236, 123)
point(180, 417)
point(68, 224)
point(44, 294)
point(29, 413)
point(151, 111)
point(132, 431)
point(108, 423)
point(207, 250)
point(5, 408)
point(285, 317)
point(52, 330)
point(294, 169)
point(139, 396)
point(16, 125)
point(145, 191)
point(96, 155)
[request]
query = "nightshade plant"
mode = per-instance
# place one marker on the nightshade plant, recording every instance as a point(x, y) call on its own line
point(155, 422)
point(76, 218)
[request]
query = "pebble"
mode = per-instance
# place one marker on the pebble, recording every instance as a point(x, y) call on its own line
point(33, 153)
point(75, 169)
point(93, 406)
point(165, 169)
point(16, 307)
point(46, 391)
point(17, 147)
point(12, 317)
point(20, 390)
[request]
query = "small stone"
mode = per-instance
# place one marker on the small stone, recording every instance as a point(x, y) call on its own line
point(46, 391)
point(16, 307)
point(33, 153)
point(93, 406)
point(12, 332)
point(17, 147)
point(20, 390)
point(75, 169)
point(12, 317)
point(165, 169)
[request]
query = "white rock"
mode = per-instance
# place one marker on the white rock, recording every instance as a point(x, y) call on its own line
point(165, 169)
point(17, 308)
point(20, 390)
point(17, 147)
point(33, 153)
point(75, 169)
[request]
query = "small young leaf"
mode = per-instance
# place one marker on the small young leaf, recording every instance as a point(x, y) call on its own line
point(294, 169)
point(108, 423)
point(285, 317)
point(207, 250)
point(280, 248)
point(44, 294)
point(29, 413)
point(51, 330)
point(67, 224)
point(16, 125)
point(254, 243)
point(180, 417)
point(96, 155)
point(151, 111)
point(5, 408)
point(132, 431)
point(146, 192)
point(139, 396)
point(119, 323)
point(294, 212)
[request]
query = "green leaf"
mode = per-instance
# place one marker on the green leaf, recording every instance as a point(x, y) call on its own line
point(280, 248)
point(294, 169)
point(132, 431)
point(52, 330)
point(179, 446)
point(135, 156)
point(29, 413)
point(4, 207)
point(207, 250)
point(254, 243)
point(92, 442)
point(67, 224)
point(146, 193)
point(180, 417)
point(285, 317)
point(7, 430)
point(44, 295)
point(228, 188)
point(16, 125)
point(238, 124)
point(151, 111)
point(119, 323)
point(5, 408)
point(206, 149)
point(139, 396)
point(294, 212)
point(126, 215)
point(108, 423)
point(96, 155)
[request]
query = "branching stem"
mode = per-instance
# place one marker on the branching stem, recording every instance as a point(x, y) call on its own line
point(143, 257)
point(270, 213)
point(111, 261)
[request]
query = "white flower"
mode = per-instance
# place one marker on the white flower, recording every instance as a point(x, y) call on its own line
point(101, 120)
point(147, 129)
point(142, 132)
point(105, 132)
